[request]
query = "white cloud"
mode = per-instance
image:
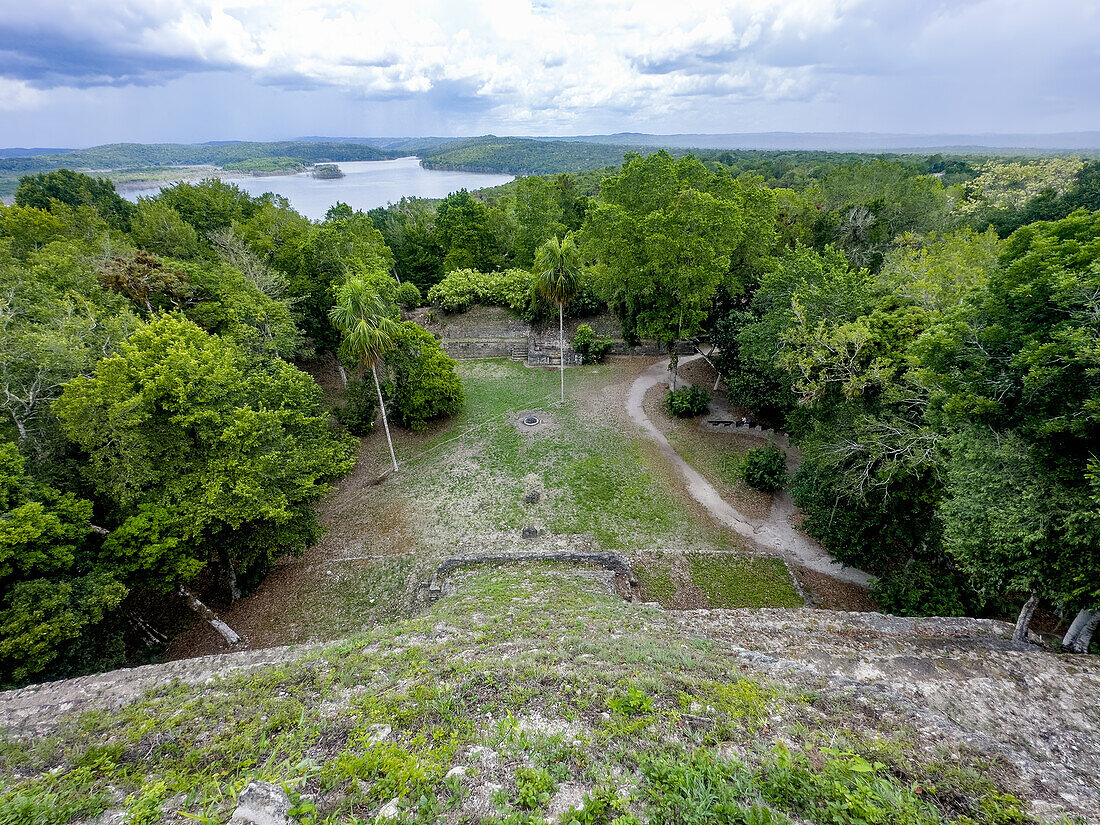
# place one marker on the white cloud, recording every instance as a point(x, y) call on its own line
point(531, 62)
point(15, 95)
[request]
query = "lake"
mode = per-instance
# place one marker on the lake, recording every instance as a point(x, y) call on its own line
point(366, 184)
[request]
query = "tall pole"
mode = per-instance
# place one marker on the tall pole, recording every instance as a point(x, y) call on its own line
point(561, 347)
point(385, 421)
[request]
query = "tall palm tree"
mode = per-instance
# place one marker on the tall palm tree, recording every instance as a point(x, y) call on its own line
point(558, 267)
point(360, 314)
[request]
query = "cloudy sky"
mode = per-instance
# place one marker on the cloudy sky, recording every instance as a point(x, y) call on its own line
point(83, 72)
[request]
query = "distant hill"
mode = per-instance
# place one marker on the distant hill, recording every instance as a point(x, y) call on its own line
point(524, 156)
point(406, 145)
point(853, 141)
point(129, 155)
point(21, 152)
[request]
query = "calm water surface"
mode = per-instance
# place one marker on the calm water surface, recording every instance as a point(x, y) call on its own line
point(365, 185)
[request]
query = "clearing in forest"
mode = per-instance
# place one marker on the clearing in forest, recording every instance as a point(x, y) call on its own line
point(464, 486)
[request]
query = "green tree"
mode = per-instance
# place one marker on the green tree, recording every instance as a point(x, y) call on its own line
point(558, 268)
point(206, 454)
point(156, 227)
point(1014, 526)
point(864, 206)
point(539, 217)
point(55, 324)
point(27, 229)
point(664, 234)
point(274, 232)
point(468, 233)
point(75, 189)
point(408, 228)
point(209, 205)
point(332, 252)
point(53, 586)
point(424, 385)
point(1019, 360)
point(369, 331)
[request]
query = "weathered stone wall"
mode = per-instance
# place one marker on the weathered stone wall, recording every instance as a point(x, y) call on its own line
point(483, 348)
point(494, 332)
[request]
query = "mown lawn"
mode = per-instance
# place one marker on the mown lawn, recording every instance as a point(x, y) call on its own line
point(591, 469)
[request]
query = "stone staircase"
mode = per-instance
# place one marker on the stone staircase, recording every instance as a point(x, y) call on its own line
point(520, 350)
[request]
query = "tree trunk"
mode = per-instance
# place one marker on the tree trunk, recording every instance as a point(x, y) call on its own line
point(343, 373)
point(1079, 635)
point(673, 363)
point(210, 616)
point(230, 571)
point(385, 421)
point(1024, 621)
point(561, 348)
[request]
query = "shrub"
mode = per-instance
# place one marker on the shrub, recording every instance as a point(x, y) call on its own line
point(765, 468)
point(408, 295)
point(534, 787)
point(424, 385)
point(631, 702)
point(687, 402)
point(360, 408)
point(462, 288)
point(920, 588)
point(591, 347)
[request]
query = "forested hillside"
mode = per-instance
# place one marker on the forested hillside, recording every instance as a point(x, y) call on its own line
point(521, 156)
point(123, 155)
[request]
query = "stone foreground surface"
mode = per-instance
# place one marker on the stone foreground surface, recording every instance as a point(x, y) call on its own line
point(953, 680)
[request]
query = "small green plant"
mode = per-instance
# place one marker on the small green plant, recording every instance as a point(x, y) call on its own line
point(144, 806)
point(592, 347)
point(601, 807)
point(534, 786)
point(765, 468)
point(408, 295)
point(359, 410)
point(846, 789)
point(697, 791)
point(632, 702)
point(687, 402)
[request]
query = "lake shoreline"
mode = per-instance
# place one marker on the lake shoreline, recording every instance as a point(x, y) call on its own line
point(366, 184)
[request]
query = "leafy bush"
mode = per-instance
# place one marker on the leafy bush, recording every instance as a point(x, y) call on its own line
point(407, 295)
point(462, 288)
point(921, 588)
point(601, 807)
point(360, 408)
point(533, 788)
point(632, 702)
point(846, 790)
point(591, 347)
point(424, 385)
point(765, 468)
point(687, 402)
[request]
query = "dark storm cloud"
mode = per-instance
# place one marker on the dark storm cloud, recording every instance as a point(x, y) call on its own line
point(48, 59)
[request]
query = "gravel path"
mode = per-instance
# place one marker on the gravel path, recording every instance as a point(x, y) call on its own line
point(774, 534)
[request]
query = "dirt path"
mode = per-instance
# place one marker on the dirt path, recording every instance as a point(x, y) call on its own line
point(775, 533)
